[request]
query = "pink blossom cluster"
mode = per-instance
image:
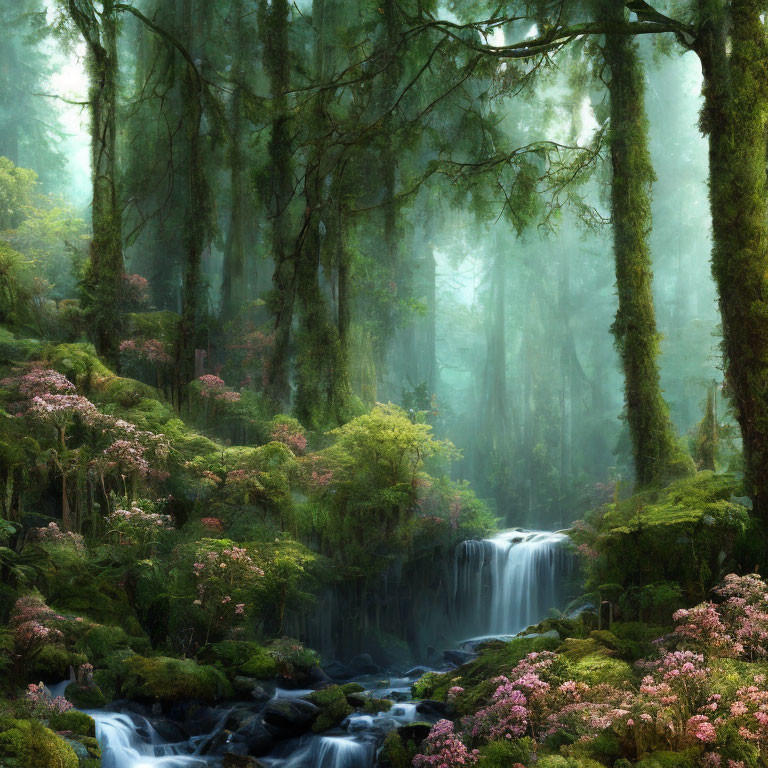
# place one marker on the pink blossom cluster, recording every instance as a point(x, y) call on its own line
point(52, 533)
point(128, 457)
point(136, 288)
point(737, 627)
point(135, 517)
point(34, 623)
point(44, 702)
point(443, 748)
point(212, 523)
point(37, 382)
point(149, 350)
point(212, 387)
point(60, 409)
point(289, 435)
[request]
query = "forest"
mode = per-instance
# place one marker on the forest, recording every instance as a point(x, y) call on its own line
point(383, 383)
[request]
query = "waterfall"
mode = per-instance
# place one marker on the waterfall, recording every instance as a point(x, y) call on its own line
point(132, 742)
point(504, 584)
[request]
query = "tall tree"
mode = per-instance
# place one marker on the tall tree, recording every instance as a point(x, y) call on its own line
point(103, 286)
point(637, 339)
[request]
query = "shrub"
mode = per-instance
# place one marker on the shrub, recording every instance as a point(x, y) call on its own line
point(32, 745)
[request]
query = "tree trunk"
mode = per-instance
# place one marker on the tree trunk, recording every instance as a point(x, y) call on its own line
point(273, 23)
point(235, 282)
point(104, 279)
point(734, 118)
point(637, 340)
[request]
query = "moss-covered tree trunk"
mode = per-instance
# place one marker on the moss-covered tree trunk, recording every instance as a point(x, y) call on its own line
point(734, 118)
point(637, 340)
point(104, 279)
point(273, 25)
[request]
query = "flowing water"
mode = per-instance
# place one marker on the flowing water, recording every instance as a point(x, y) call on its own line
point(501, 586)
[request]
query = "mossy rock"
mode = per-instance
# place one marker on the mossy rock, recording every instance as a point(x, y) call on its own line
point(606, 639)
point(374, 706)
point(326, 696)
point(503, 754)
point(78, 362)
point(261, 664)
point(125, 392)
point(166, 679)
point(73, 720)
point(596, 668)
point(31, 745)
point(87, 749)
point(350, 688)
point(331, 715)
point(85, 696)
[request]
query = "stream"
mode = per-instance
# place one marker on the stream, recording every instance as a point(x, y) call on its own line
point(501, 586)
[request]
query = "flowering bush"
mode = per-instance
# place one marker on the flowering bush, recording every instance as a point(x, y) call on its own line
point(226, 576)
point(443, 748)
point(212, 388)
point(34, 624)
point(138, 527)
point(37, 382)
point(43, 703)
point(136, 289)
point(735, 628)
point(289, 432)
point(149, 351)
point(53, 534)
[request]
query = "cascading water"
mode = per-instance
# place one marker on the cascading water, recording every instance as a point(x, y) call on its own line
point(504, 584)
point(501, 585)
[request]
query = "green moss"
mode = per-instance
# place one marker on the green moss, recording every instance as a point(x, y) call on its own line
point(326, 696)
point(425, 686)
point(85, 696)
point(78, 362)
point(32, 745)
point(262, 665)
point(228, 653)
point(73, 720)
point(374, 706)
point(598, 668)
point(349, 688)
point(332, 714)
point(127, 393)
point(14, 350)
point(688, 758)
point(103, 640)
point(165, 679)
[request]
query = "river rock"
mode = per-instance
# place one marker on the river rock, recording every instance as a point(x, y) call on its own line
point(458, 657)
point(551, 633)
point(338, 671)
point(252, 738)
point(317, 676)
point(240, 761)
point(418, 671)
point(289, 717)
point(363, 664)
point(432, 708)
point(170, 731)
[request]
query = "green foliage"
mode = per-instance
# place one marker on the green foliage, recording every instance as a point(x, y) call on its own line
point(662, 547)
point(688, 758)
point(33, 745)
point(16, 190)
point(261, 664)
point(501, 754)
point(333, 705)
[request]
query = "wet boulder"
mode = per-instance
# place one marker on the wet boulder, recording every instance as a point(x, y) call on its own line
point(363, 664)
point(251, 738)
point(335, 670)
point(458, 657)
point(289, 717)
point(432, 708)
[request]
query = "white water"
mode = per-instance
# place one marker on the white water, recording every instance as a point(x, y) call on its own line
point(504, 584)
point(501, 586)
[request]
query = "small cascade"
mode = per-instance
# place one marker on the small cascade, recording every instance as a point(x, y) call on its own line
point(504, 584)
point(132, 742)
point(343, 752)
